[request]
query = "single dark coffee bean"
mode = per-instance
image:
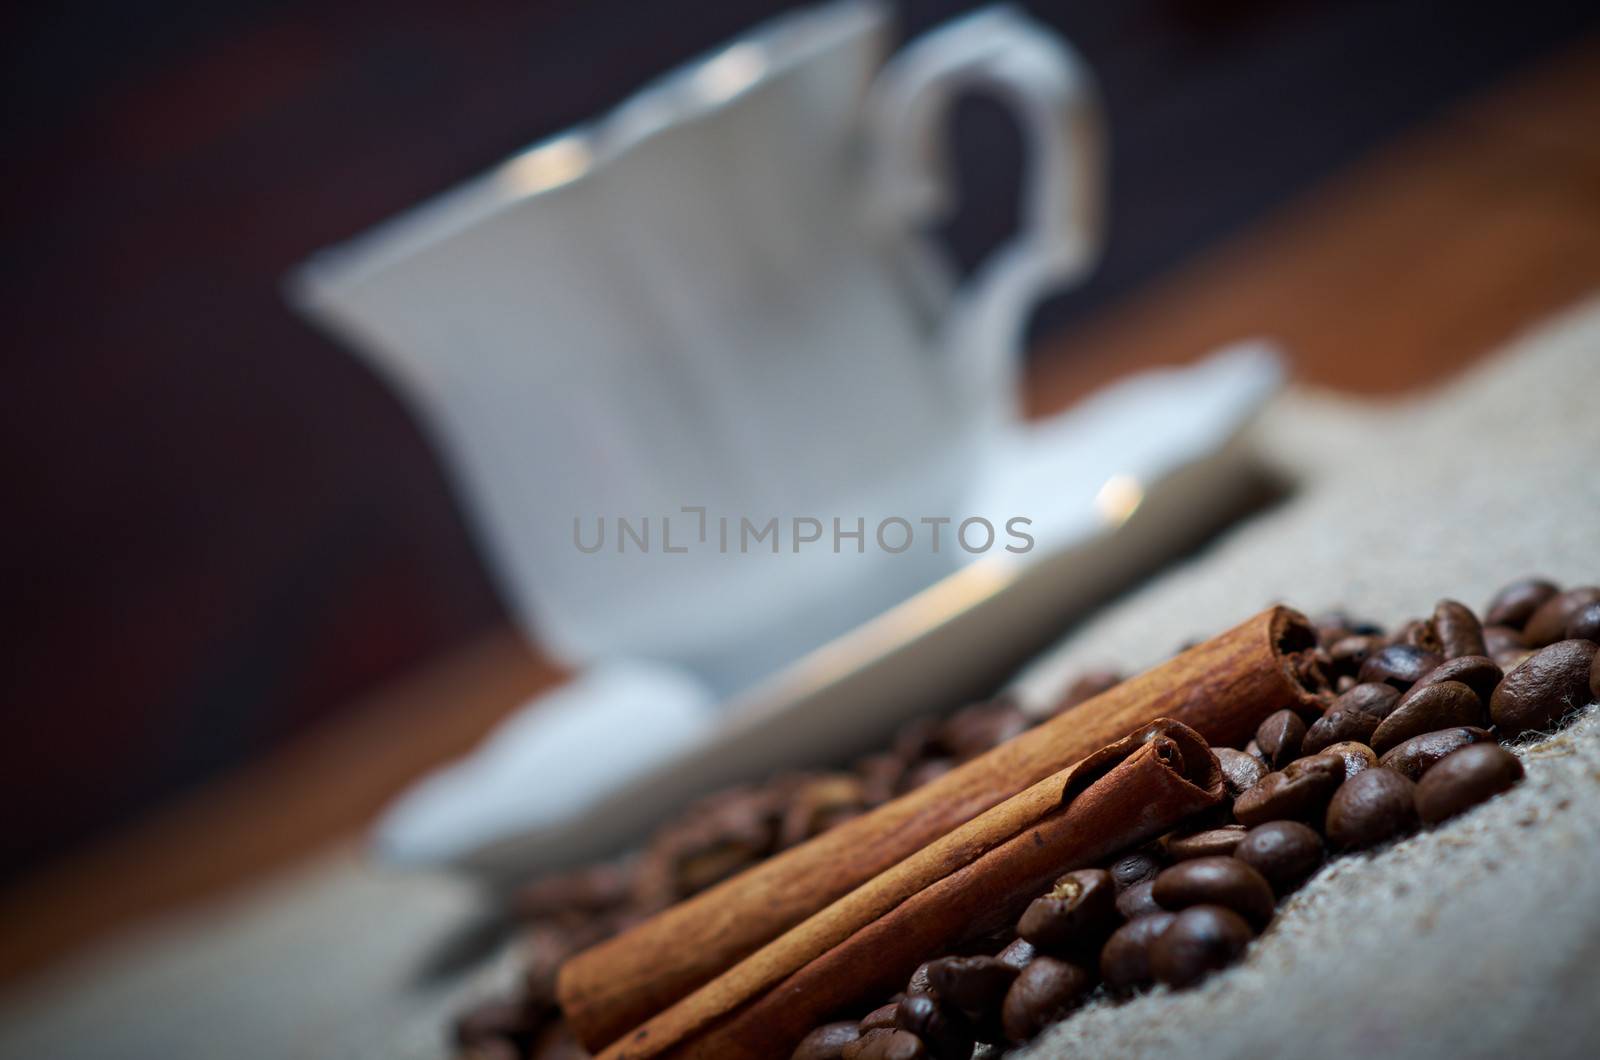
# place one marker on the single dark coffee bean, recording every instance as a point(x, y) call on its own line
point(1370, 808)
point(885, 1044)
point(1549, 623)
point(1477, 672)
point(880, 1018)
point(972, 984)
point(1125, 958)
point(1300, 791)
point(1340, 726)
point(827, 1042)
point(1047, 991)
point(1137, 901)
point(1199, 940)
point(1085, 688)
point(1584, 624)
point(1400, 665)
point(1462, 780)
point(1017, 954)
point(1286, 853)
point(1213, 842)
point(1551, 683)
point(1516, 603)
point(1356, 756)
point(943, 1031)
point(1279, 738)
point(1417, 755)
point(1460, 633)
point(1223, 881)
point(1137, 867)
point(1420, 633)
point(1080, 909)
point(1498, 640)
point(1346, 656)
point(1239, 771)
point(1429, 709)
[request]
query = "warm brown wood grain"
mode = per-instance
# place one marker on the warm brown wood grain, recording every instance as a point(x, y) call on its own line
point(963, 885)
point(1222, 688)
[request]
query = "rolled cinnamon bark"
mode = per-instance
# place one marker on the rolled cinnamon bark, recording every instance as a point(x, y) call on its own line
point(971, 882)
point(1222, 688)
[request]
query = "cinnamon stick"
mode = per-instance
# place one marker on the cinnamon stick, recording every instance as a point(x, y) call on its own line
point(1222, 688)
point(968, 883)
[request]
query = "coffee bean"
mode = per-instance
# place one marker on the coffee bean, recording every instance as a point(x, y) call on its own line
point(495, 1049)
point(1213, 842)
point(976, 729)
point(1223, 881)
point(1477, 672)
point(885, 1044)
point(1284, 852)
point(1137, 901)
point(1140, 865)
point(1346, 656)
point(1125, 958)
point(1371, 807)
point(1356, 756)
point(1584, 624)
point(1253, 749)
point(924, 772)
point(1086, 688)
point(1428, 708)
point(1420, 633)
point(1017, 954)
point(1417, 755)
point(920, 983)
point(1080, 909)
point(827, 1042)
point(1239, 771)
point(1549, 623)
point(1535, 696)
point(1279, 738)
point(512, 1020)
point(1498, 640)
point(1458, 629)
point(943, 1031)
point(1298, 792)
point(818, 804)
point(1464, 779)
point(1047, 991)
point(1199, 940)
point(1400, 665)
point(880, 1018)
point(973, 984)
point(1340, 726)
point(1516, 603)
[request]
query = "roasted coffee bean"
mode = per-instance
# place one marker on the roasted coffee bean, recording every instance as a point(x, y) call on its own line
point(1017, 954)
point(1279, 738)
point(1417, 755)
point(1535, 696)
point(543, 949)
point(1355, 755)
point(1499, 640)
point(1300, 791)
point(1340, 726)
point(1086, 688)
point(1125, 958)
point(1549, 623)
point(1253, 749)
point(1477, 672)
point(1371, 807)
point(1213, 842)
point(1346, 656)
point(943, 1031)
point(1047, 991)
point(820, 803)
point(1462, 780)
point(885, 1044)
point(973, 984)
point(1584, 624)
point(1400, 665)
point(923, 772)
point(826, 1042)
point(1199, 940)
point(1138, 866)
point(880, 1018)
point(556, 1042)
point(976, 729)
point(594, 889)
point(1459, 630)
point(1239, 771)
point(1419, 633)
point(1428, 708)
point(1223, 881)
point(1080, 909)
point(1137, 901)
point(510, 1020)
point(920, 982)
point(1516, 603)
point(1286, 853)
point(880, 777)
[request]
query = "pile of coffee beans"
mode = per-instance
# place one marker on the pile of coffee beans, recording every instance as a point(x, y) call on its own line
point(1410, 736)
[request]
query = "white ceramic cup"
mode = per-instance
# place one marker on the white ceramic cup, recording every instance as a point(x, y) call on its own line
point(718, 297)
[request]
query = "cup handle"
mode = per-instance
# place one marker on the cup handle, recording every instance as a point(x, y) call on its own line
point(1032, 70)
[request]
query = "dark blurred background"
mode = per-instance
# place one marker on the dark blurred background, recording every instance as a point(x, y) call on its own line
point(220, 527)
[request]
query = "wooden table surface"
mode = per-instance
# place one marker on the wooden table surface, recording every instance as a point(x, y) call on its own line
point(1388, 278)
